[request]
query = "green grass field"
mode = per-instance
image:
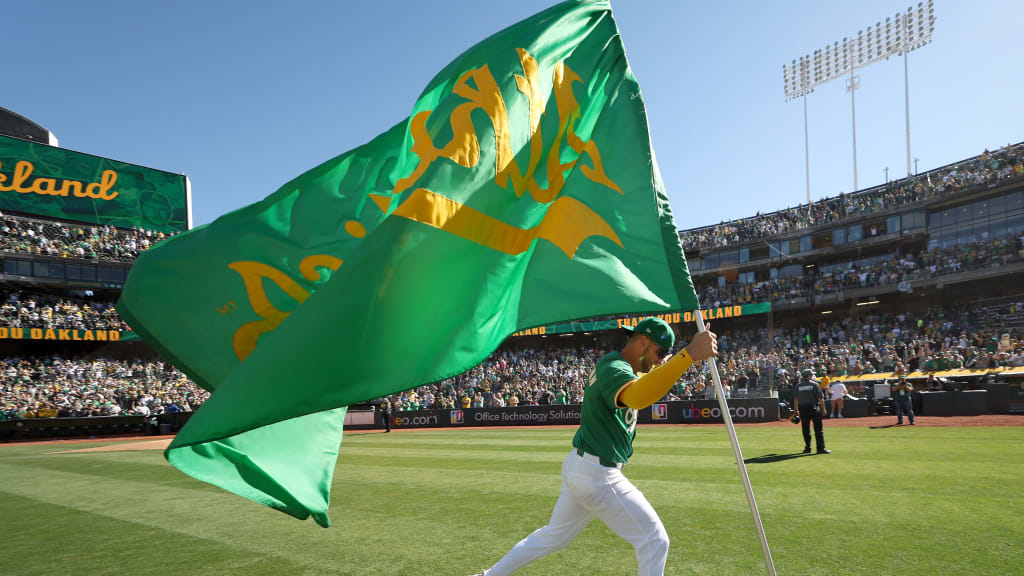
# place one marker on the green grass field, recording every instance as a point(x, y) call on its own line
point(888, 501)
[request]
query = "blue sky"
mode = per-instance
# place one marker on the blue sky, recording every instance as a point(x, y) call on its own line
point(243, 96)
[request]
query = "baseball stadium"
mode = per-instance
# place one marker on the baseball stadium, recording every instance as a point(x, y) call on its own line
point(178, 400)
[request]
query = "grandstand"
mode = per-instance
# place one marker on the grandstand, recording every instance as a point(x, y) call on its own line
point(69, 366)
point(944, 243)
point(921, 275)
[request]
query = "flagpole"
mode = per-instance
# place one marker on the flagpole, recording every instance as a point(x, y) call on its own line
point(724, 407)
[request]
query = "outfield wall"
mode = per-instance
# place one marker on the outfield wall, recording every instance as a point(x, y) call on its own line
point(688, 412)
point(683, 412)
point(52, 428)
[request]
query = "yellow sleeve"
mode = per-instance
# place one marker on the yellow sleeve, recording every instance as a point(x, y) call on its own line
point(650, 387)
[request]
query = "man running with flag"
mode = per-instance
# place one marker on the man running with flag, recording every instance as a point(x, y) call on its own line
point(593, 485)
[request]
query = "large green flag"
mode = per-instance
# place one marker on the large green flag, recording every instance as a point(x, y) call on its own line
point(522, 190)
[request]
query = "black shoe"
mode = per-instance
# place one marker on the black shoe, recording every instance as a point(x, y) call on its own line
point(823, 451)
point(807, 450)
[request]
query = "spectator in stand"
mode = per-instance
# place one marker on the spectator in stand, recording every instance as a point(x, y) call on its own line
point(751, 362)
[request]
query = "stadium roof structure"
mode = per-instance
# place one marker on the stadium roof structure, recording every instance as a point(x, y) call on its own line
point(17, 126)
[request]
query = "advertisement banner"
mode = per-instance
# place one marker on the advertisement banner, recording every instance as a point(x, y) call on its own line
point(38, 179)
point(552, 415)
point(708, 411)
point(681, 412)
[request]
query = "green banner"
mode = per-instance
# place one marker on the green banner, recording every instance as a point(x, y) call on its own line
point(670, 317)
point(48, 181)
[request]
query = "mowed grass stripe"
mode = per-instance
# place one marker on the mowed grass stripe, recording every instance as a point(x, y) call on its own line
point(223, 519)
point(879, 475)
point(67, 540)
point(216, 516)
point(483, 477)
point(148, 473)
point(899, 501)
point(482, 453)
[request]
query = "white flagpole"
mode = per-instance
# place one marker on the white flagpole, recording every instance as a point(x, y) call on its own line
point(724, 407)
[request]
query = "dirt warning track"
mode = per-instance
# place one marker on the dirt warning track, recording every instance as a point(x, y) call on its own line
point(875, 422)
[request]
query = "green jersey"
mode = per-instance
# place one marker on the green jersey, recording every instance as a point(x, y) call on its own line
point(606, 430)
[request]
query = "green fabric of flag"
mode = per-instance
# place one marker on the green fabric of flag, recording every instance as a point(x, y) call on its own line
point(522, 190)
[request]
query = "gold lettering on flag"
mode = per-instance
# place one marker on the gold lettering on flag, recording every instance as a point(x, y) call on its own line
point(482, 92)
point(567, 223)
point(252, 274)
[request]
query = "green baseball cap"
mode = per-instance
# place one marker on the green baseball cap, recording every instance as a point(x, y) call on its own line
point(657, 330)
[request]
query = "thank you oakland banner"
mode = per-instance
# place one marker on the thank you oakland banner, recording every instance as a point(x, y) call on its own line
point(67, 185)
point(8, 333)
point(670, 317)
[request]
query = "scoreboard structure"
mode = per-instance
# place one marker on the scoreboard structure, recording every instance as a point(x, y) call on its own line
point(43, 180)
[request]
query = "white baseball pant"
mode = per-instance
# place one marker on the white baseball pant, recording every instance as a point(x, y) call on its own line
point(590, 490)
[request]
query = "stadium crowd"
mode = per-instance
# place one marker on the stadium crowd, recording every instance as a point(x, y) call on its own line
point(512, 376)
point(33, 310)
point(989, 167)
point(41, 387)
point(933, 341)
point(556, 373)
point(34, 236)
point(881, 271)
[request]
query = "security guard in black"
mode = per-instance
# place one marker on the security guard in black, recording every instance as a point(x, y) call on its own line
point(809, 399)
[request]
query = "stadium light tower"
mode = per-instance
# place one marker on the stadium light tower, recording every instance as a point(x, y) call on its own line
point(900, 35)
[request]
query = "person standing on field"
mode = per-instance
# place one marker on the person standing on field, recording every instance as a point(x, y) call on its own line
point(385, 414)
point(811, 404)
point(838, 391)
point(593, 485)
point(901, 395)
